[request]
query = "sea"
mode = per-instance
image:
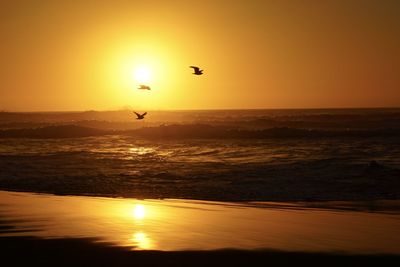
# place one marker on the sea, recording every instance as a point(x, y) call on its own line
point(218, 155)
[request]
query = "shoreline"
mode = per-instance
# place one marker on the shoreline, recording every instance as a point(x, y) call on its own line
point(384, 205)
point(55, 230)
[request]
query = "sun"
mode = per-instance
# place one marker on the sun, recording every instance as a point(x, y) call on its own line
point(142, 75)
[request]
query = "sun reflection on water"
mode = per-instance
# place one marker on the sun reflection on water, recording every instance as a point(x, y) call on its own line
point(141, 150)
point(188, 224)
point(142, 241)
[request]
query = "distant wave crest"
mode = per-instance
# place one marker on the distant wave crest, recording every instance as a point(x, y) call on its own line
point(194, 131)
point(57, 131)
point(208, 131)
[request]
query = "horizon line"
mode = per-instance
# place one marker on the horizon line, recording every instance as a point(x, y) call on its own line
point(184, 110)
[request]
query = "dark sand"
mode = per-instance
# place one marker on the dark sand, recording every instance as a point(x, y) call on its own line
point(31, 251)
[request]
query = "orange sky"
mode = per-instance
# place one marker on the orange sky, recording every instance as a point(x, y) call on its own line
point(81, 55)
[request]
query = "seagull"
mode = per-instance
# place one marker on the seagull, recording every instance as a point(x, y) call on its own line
point(197, 70)
point(140, 116)
point(144, 87)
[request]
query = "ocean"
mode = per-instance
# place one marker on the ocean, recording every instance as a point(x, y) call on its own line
point(221, 155)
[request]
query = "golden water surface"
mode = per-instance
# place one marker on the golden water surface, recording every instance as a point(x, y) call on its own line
point(201, 225)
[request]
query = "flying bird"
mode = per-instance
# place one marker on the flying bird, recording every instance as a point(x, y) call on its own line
point(140, 116)
point(197, 70)
point(144, 87)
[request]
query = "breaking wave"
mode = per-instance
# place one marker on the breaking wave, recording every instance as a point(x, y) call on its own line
point(195, 131)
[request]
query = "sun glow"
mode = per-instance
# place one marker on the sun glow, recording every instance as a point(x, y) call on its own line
point(142, 75)
point(127, 67)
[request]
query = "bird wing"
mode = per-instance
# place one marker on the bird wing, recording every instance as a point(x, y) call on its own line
point(195, 68)
point(144, 114)
point(137, 114)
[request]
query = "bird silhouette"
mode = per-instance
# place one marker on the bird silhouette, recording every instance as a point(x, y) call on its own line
point(144, 87)
point(140, 116)
point(197, 70)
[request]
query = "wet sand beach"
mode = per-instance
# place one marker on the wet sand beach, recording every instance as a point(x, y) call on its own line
point(71, 230)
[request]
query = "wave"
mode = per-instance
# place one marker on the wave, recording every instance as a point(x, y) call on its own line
point(328, 119)
point(57, 131)
point(305, 179)
point(195, 131)
point(217, 132)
